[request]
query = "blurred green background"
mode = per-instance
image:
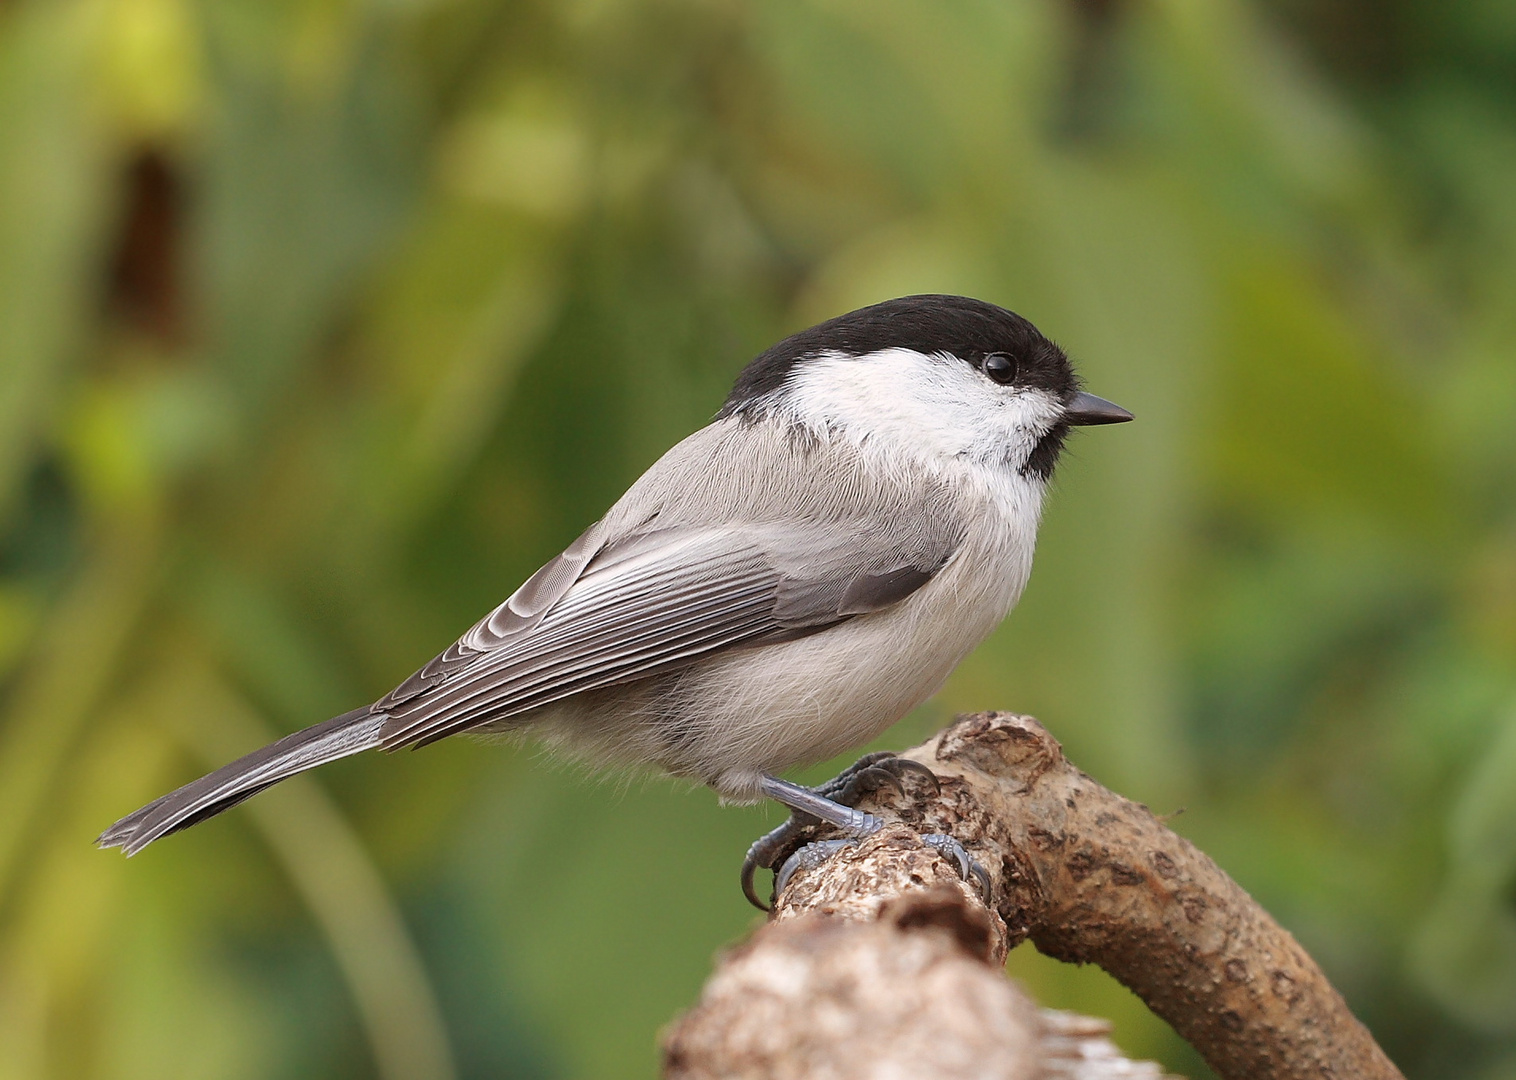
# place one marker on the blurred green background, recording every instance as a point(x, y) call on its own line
point(324, 322)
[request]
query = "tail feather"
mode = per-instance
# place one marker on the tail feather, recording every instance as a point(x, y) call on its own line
point(339, 737)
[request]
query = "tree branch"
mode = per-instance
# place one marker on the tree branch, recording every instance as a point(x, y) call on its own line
point(883, 957)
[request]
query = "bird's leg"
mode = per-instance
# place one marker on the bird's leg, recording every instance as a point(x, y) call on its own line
point(855, 823)
point(785, 849)
point(868, 774)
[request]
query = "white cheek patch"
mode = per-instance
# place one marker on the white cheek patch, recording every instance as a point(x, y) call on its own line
point(935, 406)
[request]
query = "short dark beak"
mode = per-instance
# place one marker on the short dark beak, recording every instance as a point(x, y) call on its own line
point(1088, 409)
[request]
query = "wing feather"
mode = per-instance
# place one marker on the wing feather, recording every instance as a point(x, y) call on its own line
point(660, 600)
point(518, 615)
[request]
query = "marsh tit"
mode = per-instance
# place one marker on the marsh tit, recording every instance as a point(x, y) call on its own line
point(781, 586)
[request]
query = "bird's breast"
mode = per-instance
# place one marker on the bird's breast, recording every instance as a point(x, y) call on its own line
point(767, 709)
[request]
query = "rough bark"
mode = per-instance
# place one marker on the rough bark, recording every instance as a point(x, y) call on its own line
point(881, 962)
point(913, 991)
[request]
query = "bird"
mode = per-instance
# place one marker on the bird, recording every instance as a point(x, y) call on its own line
point(779, 587)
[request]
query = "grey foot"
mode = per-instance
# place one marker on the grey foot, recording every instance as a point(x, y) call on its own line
point(832, 803)
point(807, 858)
point(814, 854)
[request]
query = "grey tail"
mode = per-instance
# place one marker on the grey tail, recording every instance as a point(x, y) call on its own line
point(339, 737)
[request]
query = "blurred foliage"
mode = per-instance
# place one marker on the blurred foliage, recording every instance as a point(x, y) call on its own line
point(324, 322)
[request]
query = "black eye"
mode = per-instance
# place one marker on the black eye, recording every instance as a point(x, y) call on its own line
point(1001, 368)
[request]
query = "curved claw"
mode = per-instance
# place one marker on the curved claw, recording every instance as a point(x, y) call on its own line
point(749, 868)
point(763, 852)
point(866, 781)
point(968, 866)
point(899, 766)
point(831, 788)
point(982, 877)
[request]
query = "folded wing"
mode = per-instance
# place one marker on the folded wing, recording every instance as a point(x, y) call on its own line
point(599, 614)
point(664, 599)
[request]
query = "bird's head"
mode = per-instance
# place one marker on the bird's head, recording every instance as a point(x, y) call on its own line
point(937, 377)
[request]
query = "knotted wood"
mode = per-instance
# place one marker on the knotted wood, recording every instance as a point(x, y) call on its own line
point(881, 962)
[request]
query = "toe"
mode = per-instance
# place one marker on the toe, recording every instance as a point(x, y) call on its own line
point(807, 858)
point(969, 868)
point(902, 767)
point(866, 782)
